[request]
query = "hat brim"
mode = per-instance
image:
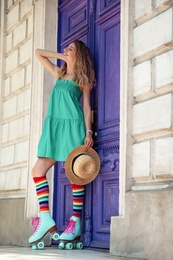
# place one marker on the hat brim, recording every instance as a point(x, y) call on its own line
point(69, 165)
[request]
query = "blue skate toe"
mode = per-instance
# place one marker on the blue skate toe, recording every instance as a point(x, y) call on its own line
point(72, 230)
point(45, 224)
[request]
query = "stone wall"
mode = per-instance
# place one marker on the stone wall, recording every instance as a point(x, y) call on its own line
point(25, 87)
point(15, 80)
point(152, 93)
point(16, 42)
point(144, 228)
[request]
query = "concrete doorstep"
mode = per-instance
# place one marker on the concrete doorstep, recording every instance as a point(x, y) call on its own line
point(50, 253)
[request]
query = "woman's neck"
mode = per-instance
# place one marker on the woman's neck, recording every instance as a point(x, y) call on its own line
point(70, 72)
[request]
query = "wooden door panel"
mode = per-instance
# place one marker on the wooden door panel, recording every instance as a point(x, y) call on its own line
point(105, 194)
point(108, 74)
point(106, 186)
point(107, 7)
point(74, 20)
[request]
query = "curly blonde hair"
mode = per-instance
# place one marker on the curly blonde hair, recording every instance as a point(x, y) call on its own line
point(84, 74)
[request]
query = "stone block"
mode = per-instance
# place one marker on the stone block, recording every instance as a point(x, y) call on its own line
point(28, 74)
point(7, 155)
point(145, 230)
point(12, 179)
point(2, 180)
point(26, 125)
point(147, 36)
point(153, 115)
point(5, 132)
point(15, 129)
point(163, 156)
point(141, 160)
point(7, 88)
point(30, 25)
point(12, 212)
point(164, 69)
point(17, 80)
point(142, 8)
point(9, 3)
point(161, 3)
point(19, 34)
point(21, 152)
point(23, 178)
point(13, 17)
point(142, 78)
point(25, 51)
point(10, 108)
point(23, 101)
point(11, 61)
point(25, 7)
point(8, 44)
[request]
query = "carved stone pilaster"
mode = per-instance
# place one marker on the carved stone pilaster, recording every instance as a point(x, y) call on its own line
point(45, 20)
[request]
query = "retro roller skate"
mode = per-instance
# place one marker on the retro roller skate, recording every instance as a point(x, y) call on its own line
point(70, 238)
point(44, 227)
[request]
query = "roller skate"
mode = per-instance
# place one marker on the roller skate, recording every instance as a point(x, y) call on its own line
point(70, 238)
point(44, 227)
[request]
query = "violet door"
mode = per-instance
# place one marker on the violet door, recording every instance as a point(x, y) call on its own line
point(97, 23)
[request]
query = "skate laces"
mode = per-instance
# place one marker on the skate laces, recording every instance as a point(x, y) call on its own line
point(35, 224)
point(70, 227)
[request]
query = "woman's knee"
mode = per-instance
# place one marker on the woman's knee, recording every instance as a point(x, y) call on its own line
point(41, 167)
point(36, 172)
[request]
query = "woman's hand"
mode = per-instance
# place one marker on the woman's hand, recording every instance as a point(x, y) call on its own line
point(88, 141)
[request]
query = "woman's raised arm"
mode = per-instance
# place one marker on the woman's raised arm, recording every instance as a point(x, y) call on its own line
point(43, 56)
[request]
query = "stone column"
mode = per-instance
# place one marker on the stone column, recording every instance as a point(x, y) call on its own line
point(44, 37)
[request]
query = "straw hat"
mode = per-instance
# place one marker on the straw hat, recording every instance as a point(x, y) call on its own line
point(82, 166)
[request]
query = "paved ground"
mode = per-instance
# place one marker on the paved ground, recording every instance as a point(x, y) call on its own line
point(52, 253)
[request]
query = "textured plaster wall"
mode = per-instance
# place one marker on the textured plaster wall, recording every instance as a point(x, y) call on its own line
point(14, 228)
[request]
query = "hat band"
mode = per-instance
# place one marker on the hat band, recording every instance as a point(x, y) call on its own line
point(74, 159)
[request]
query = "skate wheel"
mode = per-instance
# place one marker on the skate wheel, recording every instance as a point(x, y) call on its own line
point(61, 245)
point(79, 245)
point(34, 247)
point(55, 236)
point(69, 246)
point(40, 245)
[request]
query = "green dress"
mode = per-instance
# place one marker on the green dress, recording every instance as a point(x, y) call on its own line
point(64, 125)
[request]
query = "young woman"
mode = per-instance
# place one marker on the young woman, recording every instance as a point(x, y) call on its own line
point(66, 126)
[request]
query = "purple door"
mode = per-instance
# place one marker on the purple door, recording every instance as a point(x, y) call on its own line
point(97, 23)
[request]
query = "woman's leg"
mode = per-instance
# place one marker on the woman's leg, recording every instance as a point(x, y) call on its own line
point(44, 222)
point(78, 192)
point(42, 166)
point(73, 229)
point(42, 187)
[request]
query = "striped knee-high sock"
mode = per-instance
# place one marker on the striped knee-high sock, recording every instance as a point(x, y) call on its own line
point(78, 199)
point(42, 189)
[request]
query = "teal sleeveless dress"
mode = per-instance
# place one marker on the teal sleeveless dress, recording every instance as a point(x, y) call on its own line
point(64, 125)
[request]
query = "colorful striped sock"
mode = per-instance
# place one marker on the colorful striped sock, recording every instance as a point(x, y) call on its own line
point(78, 199)
point(42, 189)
